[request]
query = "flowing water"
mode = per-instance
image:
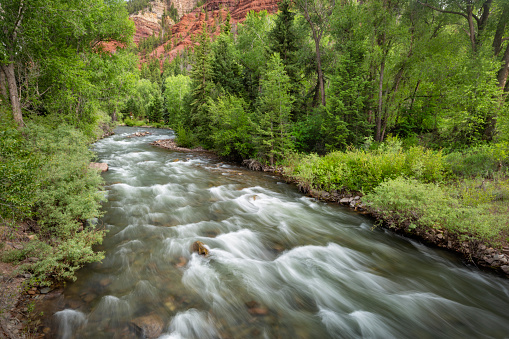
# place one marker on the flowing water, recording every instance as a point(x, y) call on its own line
point(281, 265)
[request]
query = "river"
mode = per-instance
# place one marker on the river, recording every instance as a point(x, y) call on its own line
point(281, 265)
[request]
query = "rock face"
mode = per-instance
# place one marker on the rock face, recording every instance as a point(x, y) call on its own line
point(148, 22)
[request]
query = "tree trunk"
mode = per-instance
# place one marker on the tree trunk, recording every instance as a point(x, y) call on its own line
point(8, 70)
point(499, 34)
point(378, 122)
point(319, 71)
point(504, 71)
point(3, 86)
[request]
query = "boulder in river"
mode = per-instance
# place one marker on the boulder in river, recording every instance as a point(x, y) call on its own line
point(200, 248)
point(100, 166)
point(150, 325)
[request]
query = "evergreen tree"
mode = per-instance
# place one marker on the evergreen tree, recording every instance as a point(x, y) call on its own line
point(202, 87)
point(284, 40)
point(275, 108)
point(227, 71)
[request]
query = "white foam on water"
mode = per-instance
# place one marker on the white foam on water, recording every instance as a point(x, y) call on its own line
point(192, 324)
point(110, 312)
point(69, 321)
point(241, 244)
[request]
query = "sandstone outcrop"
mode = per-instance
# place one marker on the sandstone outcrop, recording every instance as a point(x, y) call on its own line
point(191, 20)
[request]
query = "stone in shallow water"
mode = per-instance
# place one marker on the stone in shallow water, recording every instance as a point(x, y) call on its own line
point(100, 166)
point(199, 248)
point(151, 325)
point(45, 290)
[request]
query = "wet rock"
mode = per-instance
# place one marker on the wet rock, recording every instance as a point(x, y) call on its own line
point(278, 248)
point(151, 325)
point(254, 308)
point(105, 282)
point(505, 268)
point(88, 297)
point(170, 304)
point(199, 248)
point(182, 262)
point(45, 290)
point(344, 201)
point(139, 134)
point(100, 166)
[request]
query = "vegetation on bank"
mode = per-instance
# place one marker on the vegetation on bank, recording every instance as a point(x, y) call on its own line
point(465, 193)
point(47, 184)
point(59, 92)
point(388, 98)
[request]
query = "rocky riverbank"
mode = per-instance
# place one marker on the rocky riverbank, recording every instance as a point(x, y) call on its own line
point(473, 252)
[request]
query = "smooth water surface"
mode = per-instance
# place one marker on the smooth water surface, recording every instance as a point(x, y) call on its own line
point(281, 265)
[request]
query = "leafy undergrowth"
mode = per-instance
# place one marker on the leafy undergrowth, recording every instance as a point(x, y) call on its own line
point(465, 194)
point(47, 182)
point(472, 209)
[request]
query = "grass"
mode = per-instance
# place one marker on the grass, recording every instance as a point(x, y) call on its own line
point(464, 193)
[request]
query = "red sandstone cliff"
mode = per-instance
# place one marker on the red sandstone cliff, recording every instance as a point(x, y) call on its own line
point(190, 24)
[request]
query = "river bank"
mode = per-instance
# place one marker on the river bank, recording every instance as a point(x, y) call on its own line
point(474, 252)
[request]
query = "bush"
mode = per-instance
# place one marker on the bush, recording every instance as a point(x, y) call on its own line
point(430, 206)
point(134, 123)
point(361, 170)
point(185, 138)
point(483, 161)
point(232, 127)
point(46, 177)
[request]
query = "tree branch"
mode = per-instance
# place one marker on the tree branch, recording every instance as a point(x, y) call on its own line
point(442, 10)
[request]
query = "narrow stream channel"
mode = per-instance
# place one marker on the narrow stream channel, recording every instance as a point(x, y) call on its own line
point(281, 265)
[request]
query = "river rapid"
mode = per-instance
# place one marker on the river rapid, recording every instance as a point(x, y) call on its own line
point(281, 265)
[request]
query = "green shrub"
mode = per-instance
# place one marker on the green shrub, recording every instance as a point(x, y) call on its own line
point(134, 123)
point(361, 170)
point(232, 127)
point(481, 161)
point(428, 205)
point(45, 176)
point(185, 138)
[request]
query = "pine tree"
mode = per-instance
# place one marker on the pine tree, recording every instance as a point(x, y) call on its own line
point(227, 71)
point(275, 106)
point(284, 41)
point(202, 86)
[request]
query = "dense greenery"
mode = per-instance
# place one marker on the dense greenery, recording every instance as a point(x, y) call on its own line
point(364, 96)
point(46, 179)
point(59, 91)
point(401, 100)
point(353, 70)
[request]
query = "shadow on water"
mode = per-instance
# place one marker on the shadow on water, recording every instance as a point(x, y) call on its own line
point(281, 265)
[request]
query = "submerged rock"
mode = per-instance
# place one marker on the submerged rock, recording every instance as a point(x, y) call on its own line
point(200, 248)
point(151, 325)
point(254, 308)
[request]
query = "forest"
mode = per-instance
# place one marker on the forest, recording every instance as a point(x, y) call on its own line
point(380, 97)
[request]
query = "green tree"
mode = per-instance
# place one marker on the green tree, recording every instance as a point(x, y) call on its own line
point(275, 104)
point(201, 88)
point(177, 88)
point(227, 73)
point(39, 35)
point(285, 40)
point(317, 14)
point(232, 127)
